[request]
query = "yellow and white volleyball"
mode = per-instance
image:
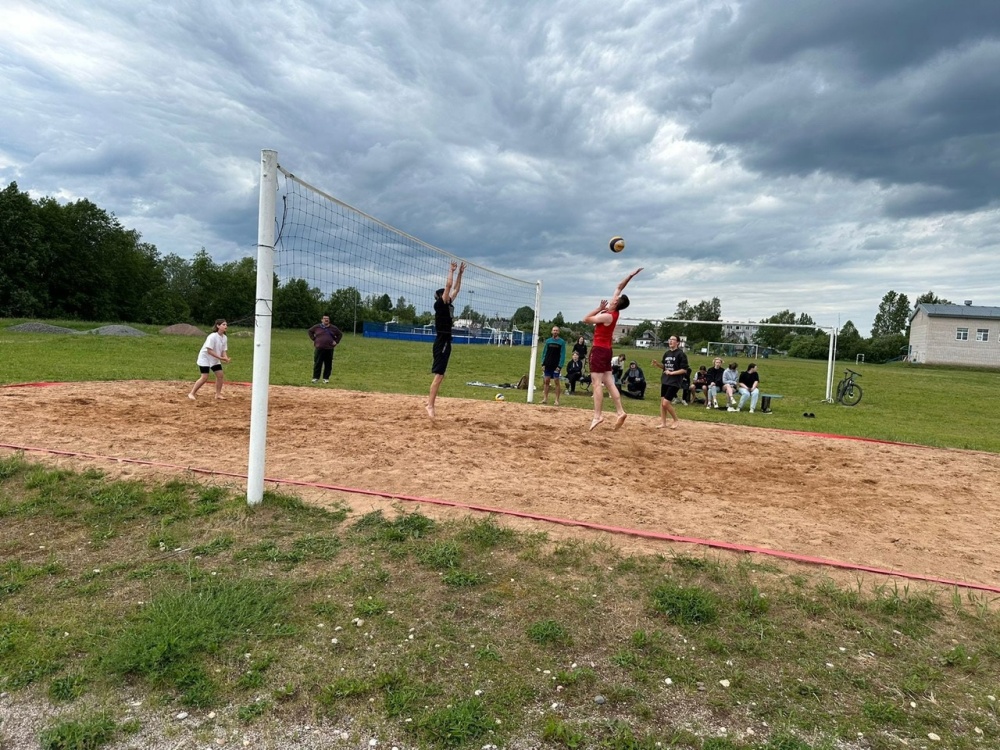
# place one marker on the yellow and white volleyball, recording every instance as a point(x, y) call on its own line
point(617, 244)
point(499, 397)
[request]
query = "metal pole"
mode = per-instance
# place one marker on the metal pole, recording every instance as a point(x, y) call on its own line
point(534, 341)
point(262, 326)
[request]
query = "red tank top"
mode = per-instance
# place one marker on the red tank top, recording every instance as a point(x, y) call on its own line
point(604, 333)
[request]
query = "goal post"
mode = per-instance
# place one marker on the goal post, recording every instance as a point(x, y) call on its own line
point(741, 347)
point(315, 246)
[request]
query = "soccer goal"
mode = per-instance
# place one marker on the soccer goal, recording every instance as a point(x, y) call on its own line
point(307, 235)
point(727, 349)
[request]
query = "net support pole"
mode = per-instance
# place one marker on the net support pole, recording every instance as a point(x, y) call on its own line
point(266, 219)
point(534, 341)
point(830, 363)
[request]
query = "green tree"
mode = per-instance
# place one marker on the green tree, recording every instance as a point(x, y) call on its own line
point(772, 336)
point(523, 316)
point(705, 310)
point(893, 315)
point(23, 284)
point(850, 343)
point(929, 298)
point(297, 305)
point(405, 313)
point(345, 309)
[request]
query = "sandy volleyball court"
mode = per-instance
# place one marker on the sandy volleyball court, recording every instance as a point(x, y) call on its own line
point(918, 510)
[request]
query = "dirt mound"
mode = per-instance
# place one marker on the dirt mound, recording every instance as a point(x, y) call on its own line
point(182, 329)
point(116, 330)
point(40, 328)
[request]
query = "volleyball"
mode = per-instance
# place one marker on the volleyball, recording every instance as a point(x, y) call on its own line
point(617, 244)
point(499, 397)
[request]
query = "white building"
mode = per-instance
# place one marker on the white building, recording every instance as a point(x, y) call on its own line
point(739, 332)
point(955, 335)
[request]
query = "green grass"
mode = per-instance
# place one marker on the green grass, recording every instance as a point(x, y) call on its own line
point(935, 406)
point(306, 616)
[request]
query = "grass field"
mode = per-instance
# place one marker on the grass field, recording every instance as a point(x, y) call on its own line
point(916, 404)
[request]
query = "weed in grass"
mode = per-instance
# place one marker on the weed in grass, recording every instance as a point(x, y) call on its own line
point(209, 500)
point(254, 676)
point(164, 640)
point(458, 723)
point(558, 732)
point(960, 658)
point(285, 693)
point(883, 713)
point(214, 547)
point(486, 534)
point(341, 689)
point(370, 607)
point(575, 677)
point(12, 466)
point(548, 632)
point(686, 605)
point(252, 711)
point(620, 736)
point(752, 603)
point(463, 579)
point(69, 688)
point(441, 555)
point(316, 547)
point(407, 526)
point(488, 653)
point(83, 734)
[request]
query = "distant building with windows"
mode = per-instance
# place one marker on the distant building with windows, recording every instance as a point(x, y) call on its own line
point(740, 332)
point(955, 335)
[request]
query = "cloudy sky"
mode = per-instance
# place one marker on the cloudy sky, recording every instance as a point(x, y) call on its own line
point(778, 154)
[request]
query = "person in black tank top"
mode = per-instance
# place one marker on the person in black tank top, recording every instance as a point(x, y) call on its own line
point(444, 319)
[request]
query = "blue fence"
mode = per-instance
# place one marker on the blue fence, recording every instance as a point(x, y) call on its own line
point(402, 332)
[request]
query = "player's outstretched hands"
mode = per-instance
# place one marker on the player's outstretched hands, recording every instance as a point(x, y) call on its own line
point(603, 305)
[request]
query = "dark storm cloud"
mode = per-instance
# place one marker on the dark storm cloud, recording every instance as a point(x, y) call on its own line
point(903, 93)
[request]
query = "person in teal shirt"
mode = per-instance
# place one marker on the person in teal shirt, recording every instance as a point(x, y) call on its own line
point(553, 359)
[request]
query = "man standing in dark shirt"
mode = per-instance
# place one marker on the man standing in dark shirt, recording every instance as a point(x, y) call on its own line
point(444, 320)
point(675, 368)
point(325, 337)
point(553, 359)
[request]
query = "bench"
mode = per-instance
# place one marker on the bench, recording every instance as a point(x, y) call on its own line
point(765, 402)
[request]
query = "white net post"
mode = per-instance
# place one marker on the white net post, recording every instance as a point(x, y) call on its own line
point(262, 326)
point(534, 342)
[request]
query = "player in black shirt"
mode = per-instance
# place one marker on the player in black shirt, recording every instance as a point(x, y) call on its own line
point(444, 319)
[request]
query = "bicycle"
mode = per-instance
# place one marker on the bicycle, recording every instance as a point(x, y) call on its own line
point(849, 392)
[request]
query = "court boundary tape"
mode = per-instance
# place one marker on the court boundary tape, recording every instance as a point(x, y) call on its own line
point(654, 535)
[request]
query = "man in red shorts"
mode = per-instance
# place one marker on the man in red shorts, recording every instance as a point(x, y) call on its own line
point(604, 318)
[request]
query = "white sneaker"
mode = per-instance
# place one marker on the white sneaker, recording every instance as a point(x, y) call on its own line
point(708, 406)
point(731, 409)
point(751, 411)
point(315, 380)
point(325, 380)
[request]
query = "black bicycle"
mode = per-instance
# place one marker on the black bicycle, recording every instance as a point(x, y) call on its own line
point(849, 392)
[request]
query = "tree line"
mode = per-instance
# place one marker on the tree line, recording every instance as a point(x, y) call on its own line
point(76, 261)
point(888, 340)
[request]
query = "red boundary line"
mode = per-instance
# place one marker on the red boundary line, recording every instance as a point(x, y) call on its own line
point(711, 543)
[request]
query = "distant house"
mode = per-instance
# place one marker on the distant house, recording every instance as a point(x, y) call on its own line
point(739, 332)
point(955, 335)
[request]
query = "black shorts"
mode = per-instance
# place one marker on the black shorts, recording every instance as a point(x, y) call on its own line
point(442, 353)
point(204, 369)
point(669, 392)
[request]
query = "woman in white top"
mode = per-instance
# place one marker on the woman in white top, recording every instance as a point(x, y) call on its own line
point(213, 353)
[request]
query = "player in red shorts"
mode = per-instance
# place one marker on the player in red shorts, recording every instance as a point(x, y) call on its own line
point(604, 318)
